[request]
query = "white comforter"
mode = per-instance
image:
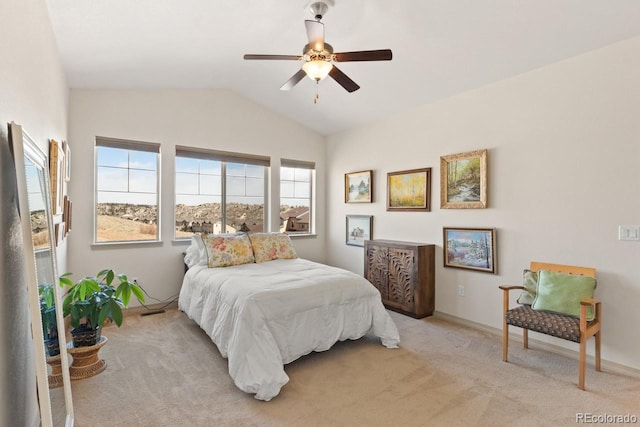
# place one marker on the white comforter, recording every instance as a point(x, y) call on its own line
point(264, 315)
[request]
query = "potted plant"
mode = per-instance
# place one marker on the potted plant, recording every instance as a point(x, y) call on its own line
point(92, 300)
point(48, 315)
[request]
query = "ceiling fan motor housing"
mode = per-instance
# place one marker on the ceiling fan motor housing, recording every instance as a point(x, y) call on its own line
point(319, 8)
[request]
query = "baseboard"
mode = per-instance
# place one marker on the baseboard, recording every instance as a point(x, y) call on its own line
point(515, 337)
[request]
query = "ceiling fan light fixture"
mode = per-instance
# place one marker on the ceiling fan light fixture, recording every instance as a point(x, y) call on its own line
point(317, 69)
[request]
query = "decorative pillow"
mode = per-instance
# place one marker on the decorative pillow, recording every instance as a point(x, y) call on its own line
point(561, 293)
point(196, 253)
point(224, 250)
point(270, 246)
point(530, 283)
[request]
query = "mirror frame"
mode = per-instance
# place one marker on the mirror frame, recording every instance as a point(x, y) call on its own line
point(25, 148)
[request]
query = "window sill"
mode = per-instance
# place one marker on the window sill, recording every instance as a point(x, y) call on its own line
point(181, 242)
point(302, 236)
point(131, 244)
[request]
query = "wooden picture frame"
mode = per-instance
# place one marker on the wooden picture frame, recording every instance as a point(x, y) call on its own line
point(68, 219)
point(409, 190)
point(470, 248)
point(463, 180)
point(358, 229)
point(66, 216)
point(358, 187)
point(56, 178)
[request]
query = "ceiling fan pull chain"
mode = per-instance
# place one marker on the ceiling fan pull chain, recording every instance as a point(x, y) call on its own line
point(315, 100)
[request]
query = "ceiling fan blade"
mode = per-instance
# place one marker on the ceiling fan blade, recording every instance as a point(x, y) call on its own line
point(285, 57)
point(364, 55)
point(294, 80)
point(315, 34)
point(343, 80)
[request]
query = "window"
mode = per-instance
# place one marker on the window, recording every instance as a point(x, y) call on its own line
point(219, 192)
point(296, 189)
point(126, 190)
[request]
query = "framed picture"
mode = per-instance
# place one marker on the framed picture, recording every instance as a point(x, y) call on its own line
point(358, 187)
point(67, 161)
point(463, 180)
point(409, 190)
point(69, 215)
point(470, 248)
point(56, 172)
point(359, 229)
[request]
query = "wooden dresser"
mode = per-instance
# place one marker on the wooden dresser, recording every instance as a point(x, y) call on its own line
point(404, 273)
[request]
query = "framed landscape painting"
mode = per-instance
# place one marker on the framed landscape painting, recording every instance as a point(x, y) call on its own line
point(358, 187)
point(56, 178)
point(409, 190)
point(470, 248)
point(358, 229)
point(463, 180)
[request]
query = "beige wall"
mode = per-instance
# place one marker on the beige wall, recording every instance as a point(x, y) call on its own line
point(564, 150)
point(34, 94)
point(33, 88)
point(214, 119)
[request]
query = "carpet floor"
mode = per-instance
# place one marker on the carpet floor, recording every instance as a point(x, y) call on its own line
point(163, 370)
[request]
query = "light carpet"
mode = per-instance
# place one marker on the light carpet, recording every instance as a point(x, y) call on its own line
point(163, 370)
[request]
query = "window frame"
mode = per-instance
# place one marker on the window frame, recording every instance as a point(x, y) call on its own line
point(224, 157)
point(125, 144)
point(311, 166)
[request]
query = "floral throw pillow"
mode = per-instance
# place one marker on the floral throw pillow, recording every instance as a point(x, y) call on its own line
point(227, 250)
point(270, 246)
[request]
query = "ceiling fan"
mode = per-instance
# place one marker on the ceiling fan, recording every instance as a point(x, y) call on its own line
point(319, 57)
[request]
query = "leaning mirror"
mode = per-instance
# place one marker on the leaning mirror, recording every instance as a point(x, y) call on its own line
point(34, 200)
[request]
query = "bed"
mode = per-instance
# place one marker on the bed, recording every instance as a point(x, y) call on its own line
point(264, 314)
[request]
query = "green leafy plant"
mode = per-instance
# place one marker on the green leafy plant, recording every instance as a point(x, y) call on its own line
point(48, 311)
point(48, 315)
point(92, 300)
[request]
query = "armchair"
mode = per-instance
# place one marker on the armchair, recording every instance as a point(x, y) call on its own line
point(560, 325)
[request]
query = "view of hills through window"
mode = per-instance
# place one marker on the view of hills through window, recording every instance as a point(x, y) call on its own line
point(127, 196)
point(127, 192)
point(200, 207)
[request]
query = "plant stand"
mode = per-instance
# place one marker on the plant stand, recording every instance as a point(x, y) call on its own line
point(86, 362)
point(55, 377)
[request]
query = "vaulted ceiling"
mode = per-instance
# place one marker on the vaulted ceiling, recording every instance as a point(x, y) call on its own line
point(440, 47)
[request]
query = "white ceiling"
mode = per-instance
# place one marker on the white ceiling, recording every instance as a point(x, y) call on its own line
point(440, 47)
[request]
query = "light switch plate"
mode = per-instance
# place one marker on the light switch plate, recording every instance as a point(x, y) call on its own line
point(628, 232)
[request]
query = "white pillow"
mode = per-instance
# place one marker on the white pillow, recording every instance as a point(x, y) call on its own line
point(196, 253)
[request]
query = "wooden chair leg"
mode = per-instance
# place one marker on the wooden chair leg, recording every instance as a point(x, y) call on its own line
point(525, 338)
point(598, 351)
point(581, 367)
point(505, 339)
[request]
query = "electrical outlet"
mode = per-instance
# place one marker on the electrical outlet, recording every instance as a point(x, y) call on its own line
point(461, 290)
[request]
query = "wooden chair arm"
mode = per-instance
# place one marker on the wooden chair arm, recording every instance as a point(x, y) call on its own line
point(505, 295)
point(590, 301)
point(510, 287)
point(595, 323)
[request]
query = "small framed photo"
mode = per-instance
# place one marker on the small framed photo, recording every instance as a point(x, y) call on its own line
point(67, 161)
point(470, 248)
point(358, 187)
point(358, 229)
point(463, 180)
point(409, 190)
